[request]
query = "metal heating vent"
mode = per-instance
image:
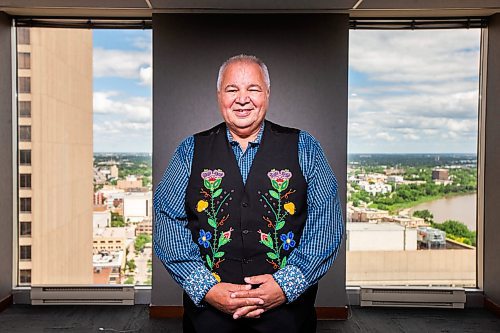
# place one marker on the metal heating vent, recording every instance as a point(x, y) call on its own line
point(74, 295)
point(413, 297)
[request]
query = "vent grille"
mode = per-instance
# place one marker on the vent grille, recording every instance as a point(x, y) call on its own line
point(68, 295)
point(413, 297)
point(444, 305)
point(93, 289)
point(403, 291)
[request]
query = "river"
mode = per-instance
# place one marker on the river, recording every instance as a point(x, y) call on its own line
point(460, 208)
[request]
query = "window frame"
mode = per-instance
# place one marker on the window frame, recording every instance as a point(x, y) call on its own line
point(142, 288)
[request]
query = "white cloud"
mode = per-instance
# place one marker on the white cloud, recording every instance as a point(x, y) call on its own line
point(413, 91)
point(146, 75)
point(121, 63)
point(133, 109)
point(415, 56)
point(385, 136)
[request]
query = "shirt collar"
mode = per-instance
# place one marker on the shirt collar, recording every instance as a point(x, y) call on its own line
point(254, 143)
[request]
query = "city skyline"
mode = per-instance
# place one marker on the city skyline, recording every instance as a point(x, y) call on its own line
point(409, 91)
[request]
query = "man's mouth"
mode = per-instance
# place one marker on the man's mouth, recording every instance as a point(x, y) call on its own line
point(242, 112)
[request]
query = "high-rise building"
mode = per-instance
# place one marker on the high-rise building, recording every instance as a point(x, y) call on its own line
point(55, 156)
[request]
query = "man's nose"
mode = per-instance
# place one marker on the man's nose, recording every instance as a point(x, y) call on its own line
point(242, 98)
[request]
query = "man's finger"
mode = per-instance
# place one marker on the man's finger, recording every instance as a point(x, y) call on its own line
point(258, 279)
point(242, 302)
point(246, 294)
point(242, 312)
point(239, 287)
point(255, 313)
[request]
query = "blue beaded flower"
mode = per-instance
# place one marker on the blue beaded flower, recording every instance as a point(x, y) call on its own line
point(287, 240)
point(205, 236)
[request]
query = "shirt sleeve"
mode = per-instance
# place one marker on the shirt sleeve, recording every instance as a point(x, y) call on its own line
point(324, 228)
point(172, 240)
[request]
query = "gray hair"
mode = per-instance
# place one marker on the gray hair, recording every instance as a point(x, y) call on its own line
point(244, 58)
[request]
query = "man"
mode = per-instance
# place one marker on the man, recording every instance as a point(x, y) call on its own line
point(247, 215)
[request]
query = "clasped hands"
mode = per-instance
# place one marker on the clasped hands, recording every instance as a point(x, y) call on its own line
point(241, 301)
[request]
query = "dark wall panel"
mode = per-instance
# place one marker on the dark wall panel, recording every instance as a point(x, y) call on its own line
point(6, 245)
point(307, 56)
point(492, 164)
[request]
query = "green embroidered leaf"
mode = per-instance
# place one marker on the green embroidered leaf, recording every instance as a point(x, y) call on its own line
point(275, 185)
point(223, 240)
point(272, 255)
point(280, 225)
point(268, 242)
point(283, 262)
point(274, 194)
point(217, 193)
point(209, 262)
point(284, 185)
point(207, 184)
point(217, 183)
point(219, 254)
point(212, 223)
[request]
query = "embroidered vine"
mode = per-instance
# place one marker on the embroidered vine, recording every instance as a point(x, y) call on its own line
point(212, 204)
point(277, 201)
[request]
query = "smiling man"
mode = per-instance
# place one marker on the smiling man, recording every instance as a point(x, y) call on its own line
point(247, 215)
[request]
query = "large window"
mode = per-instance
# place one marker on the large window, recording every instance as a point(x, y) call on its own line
point(87, 165)
point(412, 173)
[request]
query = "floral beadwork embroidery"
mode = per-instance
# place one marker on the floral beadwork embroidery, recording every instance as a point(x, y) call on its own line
point(276, 200)
point(212, 204)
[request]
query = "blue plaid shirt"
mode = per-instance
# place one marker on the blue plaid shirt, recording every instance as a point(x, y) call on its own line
point(310, 260)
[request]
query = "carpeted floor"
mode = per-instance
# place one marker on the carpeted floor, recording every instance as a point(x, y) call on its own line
point(129, 319)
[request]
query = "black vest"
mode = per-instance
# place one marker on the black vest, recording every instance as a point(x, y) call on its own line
point(244, 230)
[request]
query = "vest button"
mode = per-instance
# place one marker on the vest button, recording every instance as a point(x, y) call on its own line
point(246, 261)
point(245, 231)
point(245, 205)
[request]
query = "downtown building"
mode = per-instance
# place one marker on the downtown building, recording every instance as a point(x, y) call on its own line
point(54, 156)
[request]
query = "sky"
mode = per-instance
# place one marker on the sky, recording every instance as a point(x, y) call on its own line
point(122, 90)
point(409, 91)
point(413, 91)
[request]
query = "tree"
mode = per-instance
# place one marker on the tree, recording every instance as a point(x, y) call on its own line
point(117, 220)
point(131, 265)
point(424, 214)
point(141, 241)
point(129, 280)
point(458, 230)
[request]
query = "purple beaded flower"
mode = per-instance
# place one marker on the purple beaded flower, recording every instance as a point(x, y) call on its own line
point(212, 178)
point(279, 179)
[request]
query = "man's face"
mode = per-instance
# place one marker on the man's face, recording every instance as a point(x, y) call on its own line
point(243, 97)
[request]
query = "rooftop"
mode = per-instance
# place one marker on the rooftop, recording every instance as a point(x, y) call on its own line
point(367, 226)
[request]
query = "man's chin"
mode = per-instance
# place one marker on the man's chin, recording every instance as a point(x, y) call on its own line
point(244, 129)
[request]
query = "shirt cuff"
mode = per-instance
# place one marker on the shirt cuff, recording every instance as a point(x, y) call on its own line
point(198, 283)
point(292, 282)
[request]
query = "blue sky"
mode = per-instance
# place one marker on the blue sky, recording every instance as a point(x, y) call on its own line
point(413, 91)
point(409, 91)
point(122, 90)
